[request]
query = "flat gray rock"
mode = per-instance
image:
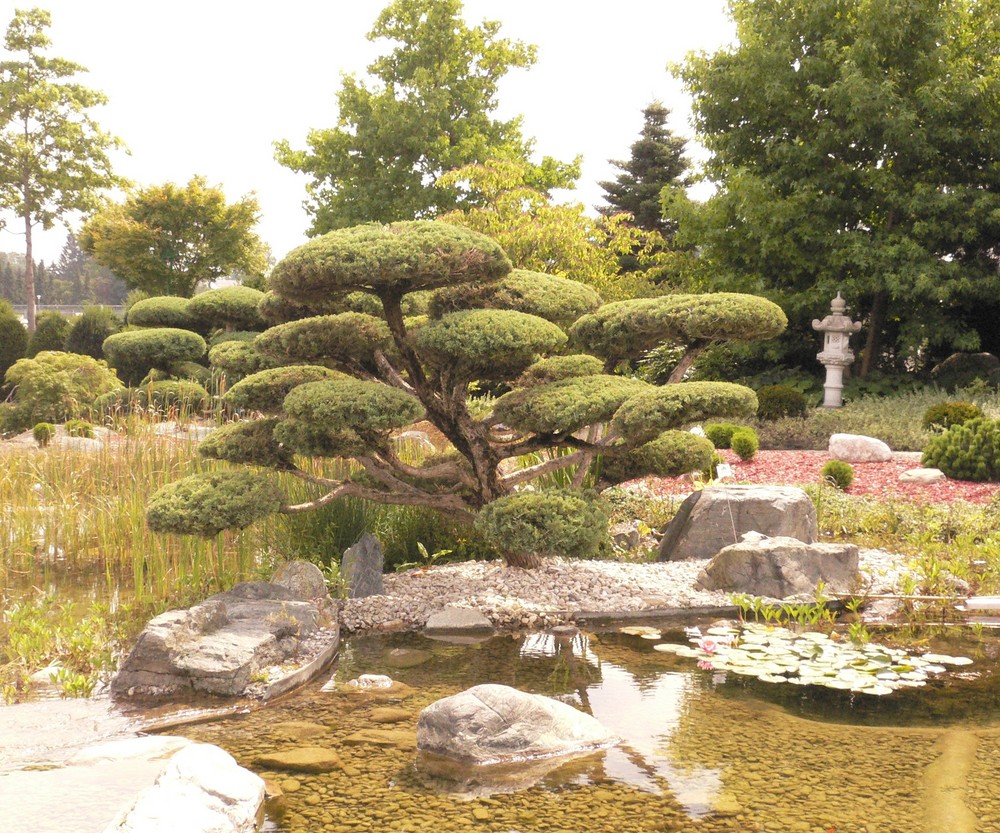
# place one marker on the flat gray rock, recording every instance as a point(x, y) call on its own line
point(781, 567)
point(718, 517)
point(922, 476)
point(457, 620)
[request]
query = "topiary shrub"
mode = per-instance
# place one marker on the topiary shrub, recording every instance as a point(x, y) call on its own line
point(89, 331)
point(777, 401)
point(13, 338)
point(838, 473)
point(946, 414)
point(43, 432)
point(238, 359)
point(162, 311)
point(670, 454)
point(133, 353)
point(527, 525)
point(745, 443)
point(720, 433)
point(79, 428)
point(205, 504)
point(228, 308)
point(51, 330)
point(970, 451)
point(56, 386)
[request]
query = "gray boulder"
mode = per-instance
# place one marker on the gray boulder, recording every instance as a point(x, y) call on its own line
point(496, 724)
point(781, 567)
point(717, 517)
point(856, 448)
point(457, 620)
point(303, 578)
point(361, 568)
point(218, 646)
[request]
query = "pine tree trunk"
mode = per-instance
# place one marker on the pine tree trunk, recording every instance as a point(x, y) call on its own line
point(523, 560)
point(873, 344)
point(29, 273)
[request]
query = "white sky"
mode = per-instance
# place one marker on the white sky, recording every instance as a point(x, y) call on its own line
point(206, 87)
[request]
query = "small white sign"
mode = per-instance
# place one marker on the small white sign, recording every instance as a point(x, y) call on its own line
point(723, 470)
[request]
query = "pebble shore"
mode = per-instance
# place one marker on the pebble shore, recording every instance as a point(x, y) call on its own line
point(553, 594)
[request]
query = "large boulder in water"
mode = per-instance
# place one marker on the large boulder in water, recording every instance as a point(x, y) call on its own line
point(496, 724)
point(719, 516)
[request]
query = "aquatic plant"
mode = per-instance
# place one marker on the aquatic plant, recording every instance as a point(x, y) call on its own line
point(778, 655)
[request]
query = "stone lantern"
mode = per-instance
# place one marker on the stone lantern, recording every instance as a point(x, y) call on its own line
point(836, 354)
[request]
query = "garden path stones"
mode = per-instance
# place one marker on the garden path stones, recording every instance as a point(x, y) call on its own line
point(855, 448)
point(361, 568)
point(781, 567)
point(717, 517)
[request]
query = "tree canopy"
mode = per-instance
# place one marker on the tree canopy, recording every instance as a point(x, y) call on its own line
point(429, 107)
point(856, 146)
point(345, 381)
point(53, 155)
point(164, 239)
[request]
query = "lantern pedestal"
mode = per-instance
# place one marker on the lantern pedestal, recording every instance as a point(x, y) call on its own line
point(836, 354)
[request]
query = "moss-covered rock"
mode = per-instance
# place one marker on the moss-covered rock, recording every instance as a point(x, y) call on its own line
point(552, 522)
point(648, 414)
point(487, 344)
point(205, 504)
point(557, 368)
point(626, 329)
point(559, 300)
point(134, 352)
point(250, 442)
point(397, 258)
point(567, 405)
point(161, 311)
point(346, 339)
point(365, 407)
point(266, 390)
point(668, 455)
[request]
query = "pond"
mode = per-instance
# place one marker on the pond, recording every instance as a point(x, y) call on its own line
point(702, 750)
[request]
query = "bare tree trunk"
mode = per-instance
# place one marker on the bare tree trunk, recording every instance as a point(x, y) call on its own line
point(29, 273)
point(692, 353)
point(873, 343)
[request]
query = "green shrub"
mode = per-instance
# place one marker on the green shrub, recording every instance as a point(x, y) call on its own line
point(231, 308)
point(162, 311)
point(89, 331)
point(552, 522)
point(670, 454)
point(838, 473)
point(777, 401)
point(43, 432)
point(745, 443)
point(79, 428)
point(158, 396)
point(13, 338)
point(134, 353)
point(51, 330)
point(946, 414)
point(56, 386)
point(207, 503)
point(238, 359)
point(720, 434)
point(970, 451)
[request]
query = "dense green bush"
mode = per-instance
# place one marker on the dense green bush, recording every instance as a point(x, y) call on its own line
point(720, 433)
point(250, 442)
point(43, 432)
point(79, 428)
point(134, 353)
point(205, 504)
point(670, 454)
point(229, 308)
point(89, 331)
point(51, 330)
point(970, 451)
point(745, 443)
point(162, 311)
point(777, 401)
point(551, 522)
point(265, 391)
point(557, 368)
point(946, 414)
point(238, 359)
point(55, 386)
point(838, 473)
point(13, 338)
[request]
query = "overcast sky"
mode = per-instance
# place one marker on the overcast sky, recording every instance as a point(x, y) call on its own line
point(206, 86)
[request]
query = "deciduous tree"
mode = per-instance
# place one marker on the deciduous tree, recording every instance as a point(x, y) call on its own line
point(53, 155)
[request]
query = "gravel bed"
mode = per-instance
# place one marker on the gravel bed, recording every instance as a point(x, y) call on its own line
point(514, 599)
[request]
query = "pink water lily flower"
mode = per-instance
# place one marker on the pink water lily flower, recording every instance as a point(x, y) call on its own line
point(708, 644)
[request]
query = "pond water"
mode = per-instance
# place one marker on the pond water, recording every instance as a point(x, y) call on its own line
point(702, 750)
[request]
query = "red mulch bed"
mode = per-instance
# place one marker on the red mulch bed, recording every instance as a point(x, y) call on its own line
point(798, 468)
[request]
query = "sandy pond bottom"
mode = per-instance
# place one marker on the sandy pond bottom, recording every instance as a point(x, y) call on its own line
point(702, 751)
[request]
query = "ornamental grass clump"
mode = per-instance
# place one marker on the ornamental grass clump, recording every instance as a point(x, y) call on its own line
point(377, 326)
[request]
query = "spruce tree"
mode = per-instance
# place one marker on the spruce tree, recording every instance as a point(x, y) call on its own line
point(657, 160)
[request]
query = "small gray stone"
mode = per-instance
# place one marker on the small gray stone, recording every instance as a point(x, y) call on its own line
point(457, 620)
point(855, 448)
point(361, 568)
point(303, 578)
point(922, 476)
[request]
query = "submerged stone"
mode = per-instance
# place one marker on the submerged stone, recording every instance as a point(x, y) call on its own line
point(301, 759)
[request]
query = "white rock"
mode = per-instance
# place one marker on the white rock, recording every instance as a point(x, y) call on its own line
point(854, 448)
point(922, 476)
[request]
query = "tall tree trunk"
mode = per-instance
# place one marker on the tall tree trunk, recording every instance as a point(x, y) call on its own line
point(29, 273)
point(876, 322)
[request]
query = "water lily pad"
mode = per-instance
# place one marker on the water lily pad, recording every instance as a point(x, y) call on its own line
point(640, 630)
point(946, 660)
point(669, 647)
